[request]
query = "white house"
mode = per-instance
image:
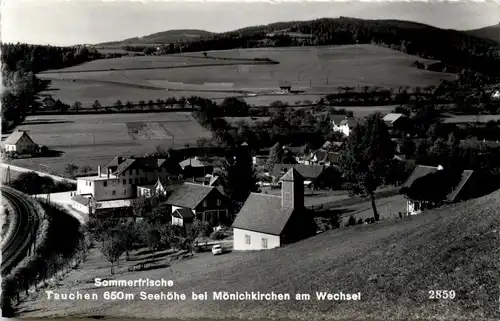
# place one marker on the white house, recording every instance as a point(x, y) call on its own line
point(120, 177)
point(20, 142)
point(345, 126)
point(270, 221)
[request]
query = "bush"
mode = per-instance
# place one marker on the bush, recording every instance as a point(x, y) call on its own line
point(360, 221)
point(351, 221)
point(217, 235)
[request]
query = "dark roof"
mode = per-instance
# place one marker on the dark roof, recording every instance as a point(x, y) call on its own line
point(292, 175)
point(15, 137)
point(351, 122)
point(423, 170)
point(336, 119)
point(185, 212)
point(307, 171)
point(263, 213)
point(145, 163)
point(189, 195)
point(285, 84)
point(81, 199)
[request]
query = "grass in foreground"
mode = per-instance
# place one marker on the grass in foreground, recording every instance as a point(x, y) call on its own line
point(394, 264)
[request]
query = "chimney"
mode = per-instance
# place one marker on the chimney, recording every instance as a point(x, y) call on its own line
point(120, 160)
point(440, 168)
point(109, 172)
point(99, 170)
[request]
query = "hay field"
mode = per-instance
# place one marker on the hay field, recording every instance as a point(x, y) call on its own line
point(316, 70)
point(394, 264)
point(95, 139)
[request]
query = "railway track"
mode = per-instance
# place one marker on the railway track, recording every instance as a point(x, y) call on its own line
point(17, 246)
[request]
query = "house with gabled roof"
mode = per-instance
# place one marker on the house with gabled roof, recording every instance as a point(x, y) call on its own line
point(345, 126)
point(206, 203)
point(20, 142)
point(431, 186)
point(270, 221)
point(310, 173)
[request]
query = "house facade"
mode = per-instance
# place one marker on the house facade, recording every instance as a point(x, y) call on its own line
point(269, 221)
point(309, 173)
point(20, 142)
point(394, 120)
point(120, 177)
point(206, 203)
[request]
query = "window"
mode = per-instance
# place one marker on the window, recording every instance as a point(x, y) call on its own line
point(130, 172)
point(124, 181)
point(125, 191)
point(219, 202)
point(113, 192)
point(114, 183)
point(287, 196)
point(137, 181)
point(136, 171)
point(416, 206)
point(105, 183)
point(264, 242)
point(205, 203)
point(130, 181)
point(90, 183)
point(142, 179)
point(248, 240)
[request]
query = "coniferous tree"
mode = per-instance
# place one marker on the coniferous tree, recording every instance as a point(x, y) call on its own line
point(238, 177)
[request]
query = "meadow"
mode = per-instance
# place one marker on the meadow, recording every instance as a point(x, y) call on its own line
point(316, 71)
point(394, 264)
point(96, 139)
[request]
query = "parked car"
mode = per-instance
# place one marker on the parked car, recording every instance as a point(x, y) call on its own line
point(216, 249)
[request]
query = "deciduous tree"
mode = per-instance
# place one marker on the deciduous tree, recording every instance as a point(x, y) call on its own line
point(366, 159)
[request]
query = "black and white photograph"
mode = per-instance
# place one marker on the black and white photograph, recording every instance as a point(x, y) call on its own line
point(271, 160)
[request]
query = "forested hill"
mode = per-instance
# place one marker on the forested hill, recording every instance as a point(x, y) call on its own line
point(450, 46)
point(177, 35)
point(491, 32)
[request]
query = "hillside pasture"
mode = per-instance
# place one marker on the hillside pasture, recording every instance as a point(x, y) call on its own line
point(317, 71)
point(393, 264)
point(96, 139)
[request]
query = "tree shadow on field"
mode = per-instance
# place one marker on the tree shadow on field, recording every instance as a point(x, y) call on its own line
point(150, 256)
point(45, 122)
point(49, 153)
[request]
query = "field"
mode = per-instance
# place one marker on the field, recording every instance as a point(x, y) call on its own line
point(96, 139)
point(317, 71)
point(393, 264)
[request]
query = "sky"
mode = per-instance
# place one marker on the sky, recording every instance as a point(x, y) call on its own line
point(69, 22)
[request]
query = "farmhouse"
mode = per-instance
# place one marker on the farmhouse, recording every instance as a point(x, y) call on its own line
point(20, 142)
point(428, 187)
point(120, 177)
point(206, 203)
point(309, 173)
point(345, 126)
point(479, 144)
point(285, 86)
point(269, 221)
point(321, 157)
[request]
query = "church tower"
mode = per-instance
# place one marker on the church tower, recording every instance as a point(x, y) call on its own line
point(292, 190)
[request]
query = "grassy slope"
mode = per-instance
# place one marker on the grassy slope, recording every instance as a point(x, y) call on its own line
point(393, 264)
point(303, 66)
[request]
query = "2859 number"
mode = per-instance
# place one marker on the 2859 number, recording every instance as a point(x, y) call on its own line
point(441, 294)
